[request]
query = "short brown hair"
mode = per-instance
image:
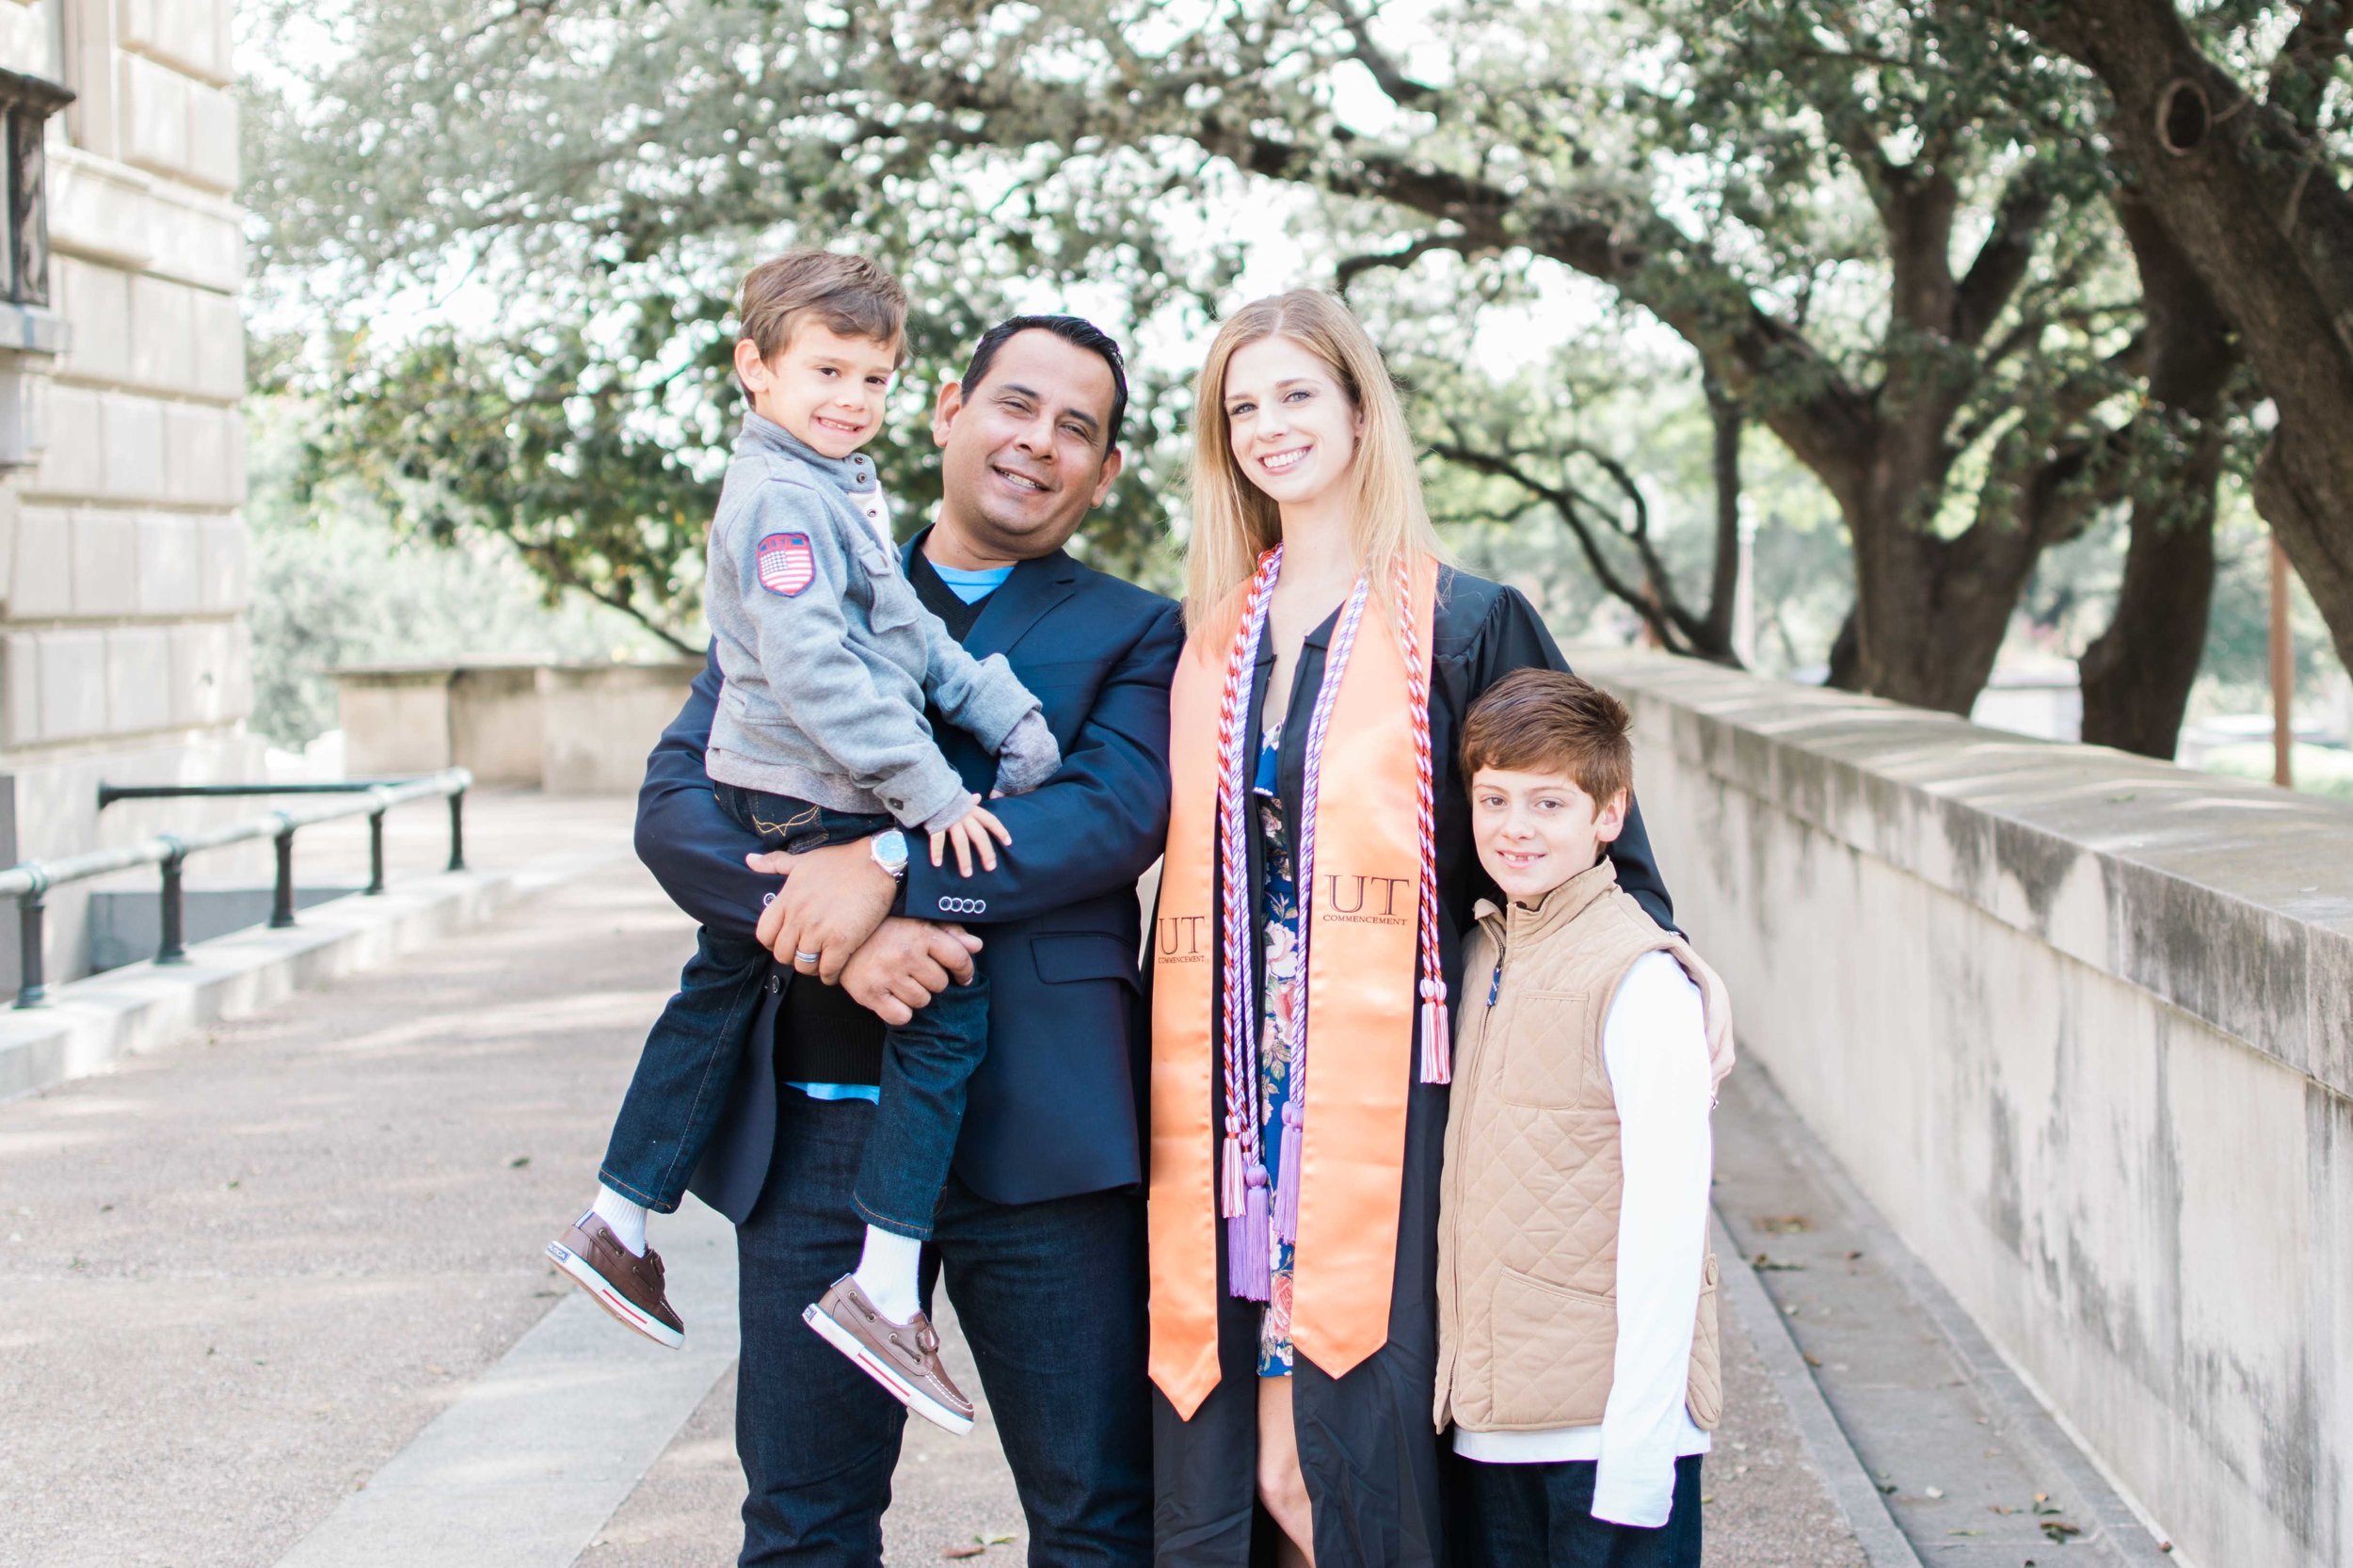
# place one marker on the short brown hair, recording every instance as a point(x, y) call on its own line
point(849, 294)
point(1550, 721)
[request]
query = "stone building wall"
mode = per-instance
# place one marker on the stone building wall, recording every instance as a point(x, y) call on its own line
point(123, 652)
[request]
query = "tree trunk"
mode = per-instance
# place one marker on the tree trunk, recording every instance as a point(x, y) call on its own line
point(1724, 589)
point(2136, 677)
point(2253, 205)
point(1930, 612)
point(1926, 622)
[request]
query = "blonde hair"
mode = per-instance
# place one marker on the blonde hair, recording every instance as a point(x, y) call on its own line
point(1234, 522)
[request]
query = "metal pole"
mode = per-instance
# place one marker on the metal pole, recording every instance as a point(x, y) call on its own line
point(174, 947)
point(2282, 674)
point(32, 989)
point(457, 830)
point(281, 911)
point(376, 852)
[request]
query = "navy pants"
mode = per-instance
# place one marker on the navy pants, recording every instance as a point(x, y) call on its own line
point(689, 1059)
point(1050, 1297)
point(1541, 1516)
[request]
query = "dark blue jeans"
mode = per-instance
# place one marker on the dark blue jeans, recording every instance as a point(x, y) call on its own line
point(1541, 1516)
point(689, 1059)
point(1051, 1298)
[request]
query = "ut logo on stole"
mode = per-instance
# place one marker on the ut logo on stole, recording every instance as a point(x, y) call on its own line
point(1179, 938)
point(1357, 900)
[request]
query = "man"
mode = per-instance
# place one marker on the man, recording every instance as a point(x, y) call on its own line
point(1040, 1233)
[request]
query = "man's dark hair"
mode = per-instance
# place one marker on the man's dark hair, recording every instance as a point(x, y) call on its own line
point(1076, 330)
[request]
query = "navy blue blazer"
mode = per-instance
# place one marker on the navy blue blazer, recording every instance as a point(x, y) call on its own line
point(1055, 1109)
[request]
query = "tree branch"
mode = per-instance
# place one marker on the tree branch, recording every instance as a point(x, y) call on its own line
point(2001, 263)
point(1352, 267)
point(1394, 84)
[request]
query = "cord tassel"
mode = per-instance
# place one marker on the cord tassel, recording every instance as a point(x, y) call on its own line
point(1286, 1174)
point(1229, 1193)
point(1248, 1262)
point(1437, 1042)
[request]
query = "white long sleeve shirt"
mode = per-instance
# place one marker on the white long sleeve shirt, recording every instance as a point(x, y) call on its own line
point(1655, 1045)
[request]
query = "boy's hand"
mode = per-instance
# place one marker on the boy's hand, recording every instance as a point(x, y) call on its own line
point(905, 964)
point(971, 836)
point(831, 902)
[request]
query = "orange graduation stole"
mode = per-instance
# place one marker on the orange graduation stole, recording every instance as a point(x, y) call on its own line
point(1368, 894)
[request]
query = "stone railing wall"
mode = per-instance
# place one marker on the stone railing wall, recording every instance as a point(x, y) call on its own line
point(2081, 1026)
point(581, 728)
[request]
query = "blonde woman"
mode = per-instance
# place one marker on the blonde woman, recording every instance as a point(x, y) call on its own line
point(1319, 871)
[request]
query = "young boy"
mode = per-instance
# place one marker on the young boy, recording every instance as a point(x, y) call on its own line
point(1577, 1292)
point(828, 659)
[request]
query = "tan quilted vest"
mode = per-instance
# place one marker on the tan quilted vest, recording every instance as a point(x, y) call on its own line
point(1527, 1224)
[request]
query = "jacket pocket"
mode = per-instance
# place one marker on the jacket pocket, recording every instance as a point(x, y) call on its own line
point(1063, 957)
point(1553, 1349)
point(1544, 1065)
point(1705, 1393)
point(891, 603)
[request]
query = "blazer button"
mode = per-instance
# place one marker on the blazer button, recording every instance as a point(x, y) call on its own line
point(774, 985)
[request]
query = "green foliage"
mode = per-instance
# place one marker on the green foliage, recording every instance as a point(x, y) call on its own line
point(334, 586)
point(1883, 227)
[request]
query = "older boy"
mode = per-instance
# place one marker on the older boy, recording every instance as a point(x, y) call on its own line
point(1576, 1309)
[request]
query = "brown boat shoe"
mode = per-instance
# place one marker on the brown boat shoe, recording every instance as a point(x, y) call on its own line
point(903, 1358)
point(622, 1283)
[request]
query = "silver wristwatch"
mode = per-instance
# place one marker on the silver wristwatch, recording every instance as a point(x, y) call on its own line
point(891, 853)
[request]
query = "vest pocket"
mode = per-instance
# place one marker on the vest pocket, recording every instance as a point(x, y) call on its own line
point(1704, 1393)
point(1544, 1063)
point(1554, 1347)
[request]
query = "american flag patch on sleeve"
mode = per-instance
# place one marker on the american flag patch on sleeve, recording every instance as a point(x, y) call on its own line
point(787, 565)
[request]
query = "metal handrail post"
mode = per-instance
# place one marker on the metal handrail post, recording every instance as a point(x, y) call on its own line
point(173, 948)
point(32, 988)
point(376, 852)
point(281, 910)
point(457, 830)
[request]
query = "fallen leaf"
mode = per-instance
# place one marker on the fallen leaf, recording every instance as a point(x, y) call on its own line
point(964, 1551)
point(1936, 1492)
point(2060, 1529)
point(518, 1162)
point(1783, 1224)
point(1964, 1532)
point(1813, 1360)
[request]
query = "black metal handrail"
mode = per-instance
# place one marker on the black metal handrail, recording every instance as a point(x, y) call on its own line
point(29, 881)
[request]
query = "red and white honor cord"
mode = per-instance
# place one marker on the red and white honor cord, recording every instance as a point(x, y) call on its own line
point(1243, 1131)
point(1437, 1045)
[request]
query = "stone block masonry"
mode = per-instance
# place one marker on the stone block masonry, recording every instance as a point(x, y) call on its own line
point(123, 561)
point(2077, 1024)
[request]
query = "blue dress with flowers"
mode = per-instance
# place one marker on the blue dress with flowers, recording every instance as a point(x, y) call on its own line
point(1278, 909)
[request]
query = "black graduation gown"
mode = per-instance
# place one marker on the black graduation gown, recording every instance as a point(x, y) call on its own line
point(1366, 1446)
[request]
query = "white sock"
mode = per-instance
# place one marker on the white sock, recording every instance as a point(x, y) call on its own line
point(626, 1216)
point(887, 1273)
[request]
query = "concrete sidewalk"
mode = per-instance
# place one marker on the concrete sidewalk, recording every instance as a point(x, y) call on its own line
point(278, 1290)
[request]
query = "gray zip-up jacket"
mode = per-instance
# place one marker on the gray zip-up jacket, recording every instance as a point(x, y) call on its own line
point(828, 656)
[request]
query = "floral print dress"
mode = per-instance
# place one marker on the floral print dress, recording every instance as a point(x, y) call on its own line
point(1278, 913)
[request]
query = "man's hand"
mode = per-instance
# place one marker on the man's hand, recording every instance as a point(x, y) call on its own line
point(905, 964)
point(831, 903)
